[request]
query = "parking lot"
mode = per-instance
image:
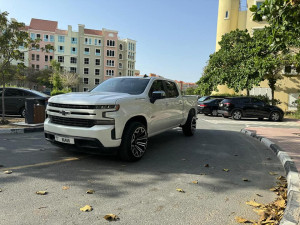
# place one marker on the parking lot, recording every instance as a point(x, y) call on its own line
point(142, 191)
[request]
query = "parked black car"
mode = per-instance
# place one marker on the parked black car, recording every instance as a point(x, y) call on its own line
point(205, 98)
point(14, 99)
point(209, 107)
point(238, 107)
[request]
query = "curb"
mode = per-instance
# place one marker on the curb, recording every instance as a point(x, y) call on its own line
point(21, 130)
point(291, 213)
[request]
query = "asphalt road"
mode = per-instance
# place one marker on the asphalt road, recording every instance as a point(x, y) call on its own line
point(143, 192)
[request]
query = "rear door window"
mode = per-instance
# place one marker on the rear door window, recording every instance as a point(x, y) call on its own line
point(13, 93)
point(171, 89)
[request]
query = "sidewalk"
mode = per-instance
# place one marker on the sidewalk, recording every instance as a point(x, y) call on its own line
point(288, 139)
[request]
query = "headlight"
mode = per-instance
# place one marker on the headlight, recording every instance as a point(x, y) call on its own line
point(114, 107)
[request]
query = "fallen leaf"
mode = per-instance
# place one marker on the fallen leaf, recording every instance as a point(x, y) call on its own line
point(43, 207)
point(253, 203)
point(280, 203)
point(273, 189)
point(206, 165)
point(245, 179)
point(226, 170)
point(111, 217)
point(195, 182)
point(268, 158)
point(91, 191)
point(236, 155)
point(0, 190)
point(273, 173)
point(180, 190)
point(65, 187)
point(202, 174)
point(282, 178)
point(86, 208)
point(7, 172)
point(259, 195)
point(183, 159)
point(242, 220)
point(41, 192)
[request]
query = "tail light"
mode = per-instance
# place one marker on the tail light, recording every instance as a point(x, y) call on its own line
point(227, 104)
point(202, 105)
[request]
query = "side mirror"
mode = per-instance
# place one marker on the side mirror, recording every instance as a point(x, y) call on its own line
point(157, 95)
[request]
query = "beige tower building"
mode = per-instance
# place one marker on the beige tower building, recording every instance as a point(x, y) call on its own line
point(235, 14)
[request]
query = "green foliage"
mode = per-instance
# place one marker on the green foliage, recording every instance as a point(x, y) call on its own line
point(190, 91)
point(58, 92)
point(56, 80)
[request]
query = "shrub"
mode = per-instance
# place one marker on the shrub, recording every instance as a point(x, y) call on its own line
point(59, 92)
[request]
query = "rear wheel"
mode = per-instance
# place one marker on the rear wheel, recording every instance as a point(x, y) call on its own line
point(236, 114)
point(224, 116)
point(275, 116)
point(134, 142)
point(189, 127)
point(214, 112)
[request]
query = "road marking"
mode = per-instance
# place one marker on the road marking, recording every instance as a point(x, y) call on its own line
point(42, 164)
point(253, 122)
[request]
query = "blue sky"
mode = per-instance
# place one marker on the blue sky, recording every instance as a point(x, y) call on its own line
point(174, 38)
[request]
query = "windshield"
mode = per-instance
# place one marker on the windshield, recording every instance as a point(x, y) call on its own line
point(202, 99)
point(132, 86)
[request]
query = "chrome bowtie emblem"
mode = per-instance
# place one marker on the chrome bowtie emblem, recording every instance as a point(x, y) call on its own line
point(65, 112)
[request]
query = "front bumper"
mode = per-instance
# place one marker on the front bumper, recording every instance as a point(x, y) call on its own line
point(101, 134)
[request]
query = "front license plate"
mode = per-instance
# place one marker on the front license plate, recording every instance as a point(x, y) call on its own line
point(65, 140)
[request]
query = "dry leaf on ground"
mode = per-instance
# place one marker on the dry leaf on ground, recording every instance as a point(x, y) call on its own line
point(7, 172)
point(86, 208)
point(91, 191)
point(253, 203)
point(41, 192)
point(206, 165)
point(180, 190)
point(259, 195)
point(202, 174)
point(111, 217)
point(242, 220)
point(245, 179)
point(0, 190)
point(195, 182)
point(226, 170)
point(273, 173)
point(65, 187)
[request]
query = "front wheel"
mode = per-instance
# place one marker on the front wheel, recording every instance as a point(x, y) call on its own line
point(134, 142)
point(214, 113)
point(189, 127)
point(275, 116)
point(236, 115)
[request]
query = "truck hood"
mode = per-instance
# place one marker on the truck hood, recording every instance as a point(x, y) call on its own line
point(88, 98)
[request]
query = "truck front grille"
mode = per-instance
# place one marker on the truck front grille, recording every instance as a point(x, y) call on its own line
point(69, 106)
point(74, 122)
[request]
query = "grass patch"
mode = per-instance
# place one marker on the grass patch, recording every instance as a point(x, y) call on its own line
point(293, 115)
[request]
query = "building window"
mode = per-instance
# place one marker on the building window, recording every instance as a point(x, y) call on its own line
point(97, 81)
point(37, 67)
point(226, 15)
point(46, 58)
point(46, 37)
point(33, 57)
point(86, 80)
point(120, 56)
point(97, 42)
point(258, 4)
point(110, 63)
point(110, 43)
point(51, 38)
point(46, 67)
point(61, 59)
point(120, 65)
point(97, 62)
point(73, 40)
point(37, 57)
point(73, 50)
point(88, 41)
point(22, 55)
point(97, 52)
point(86, 71)
point(73, 60)
point(61, 39)
point(121, 47)
point(97, 72)
point(86, 61)
point(85, 89)
point(32, 36)
point(86, 51)
point(38, 36)
point(110, 53)
point(50, 57)
point(120, 73)
point(61, 49)
point(110, 72)
point(32, 66)
point(73, 69)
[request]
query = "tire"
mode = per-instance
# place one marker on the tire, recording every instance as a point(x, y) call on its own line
point(225, 116)
point(22, 112)
point(236, 114)
point(205, 114)
point(134, 142)
point(189, 127)
point(275, 116)
point(261, 119)
point(214, 113)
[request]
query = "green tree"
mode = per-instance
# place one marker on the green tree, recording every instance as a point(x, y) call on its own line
point(12, 36)
point(56, 80)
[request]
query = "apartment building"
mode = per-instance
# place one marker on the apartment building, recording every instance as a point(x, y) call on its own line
point(236, 14)
point(95, 55)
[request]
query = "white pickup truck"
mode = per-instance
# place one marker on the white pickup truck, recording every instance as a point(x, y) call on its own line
point(120, 112)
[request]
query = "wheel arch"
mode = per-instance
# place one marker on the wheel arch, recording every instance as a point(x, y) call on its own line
point(138, 118)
